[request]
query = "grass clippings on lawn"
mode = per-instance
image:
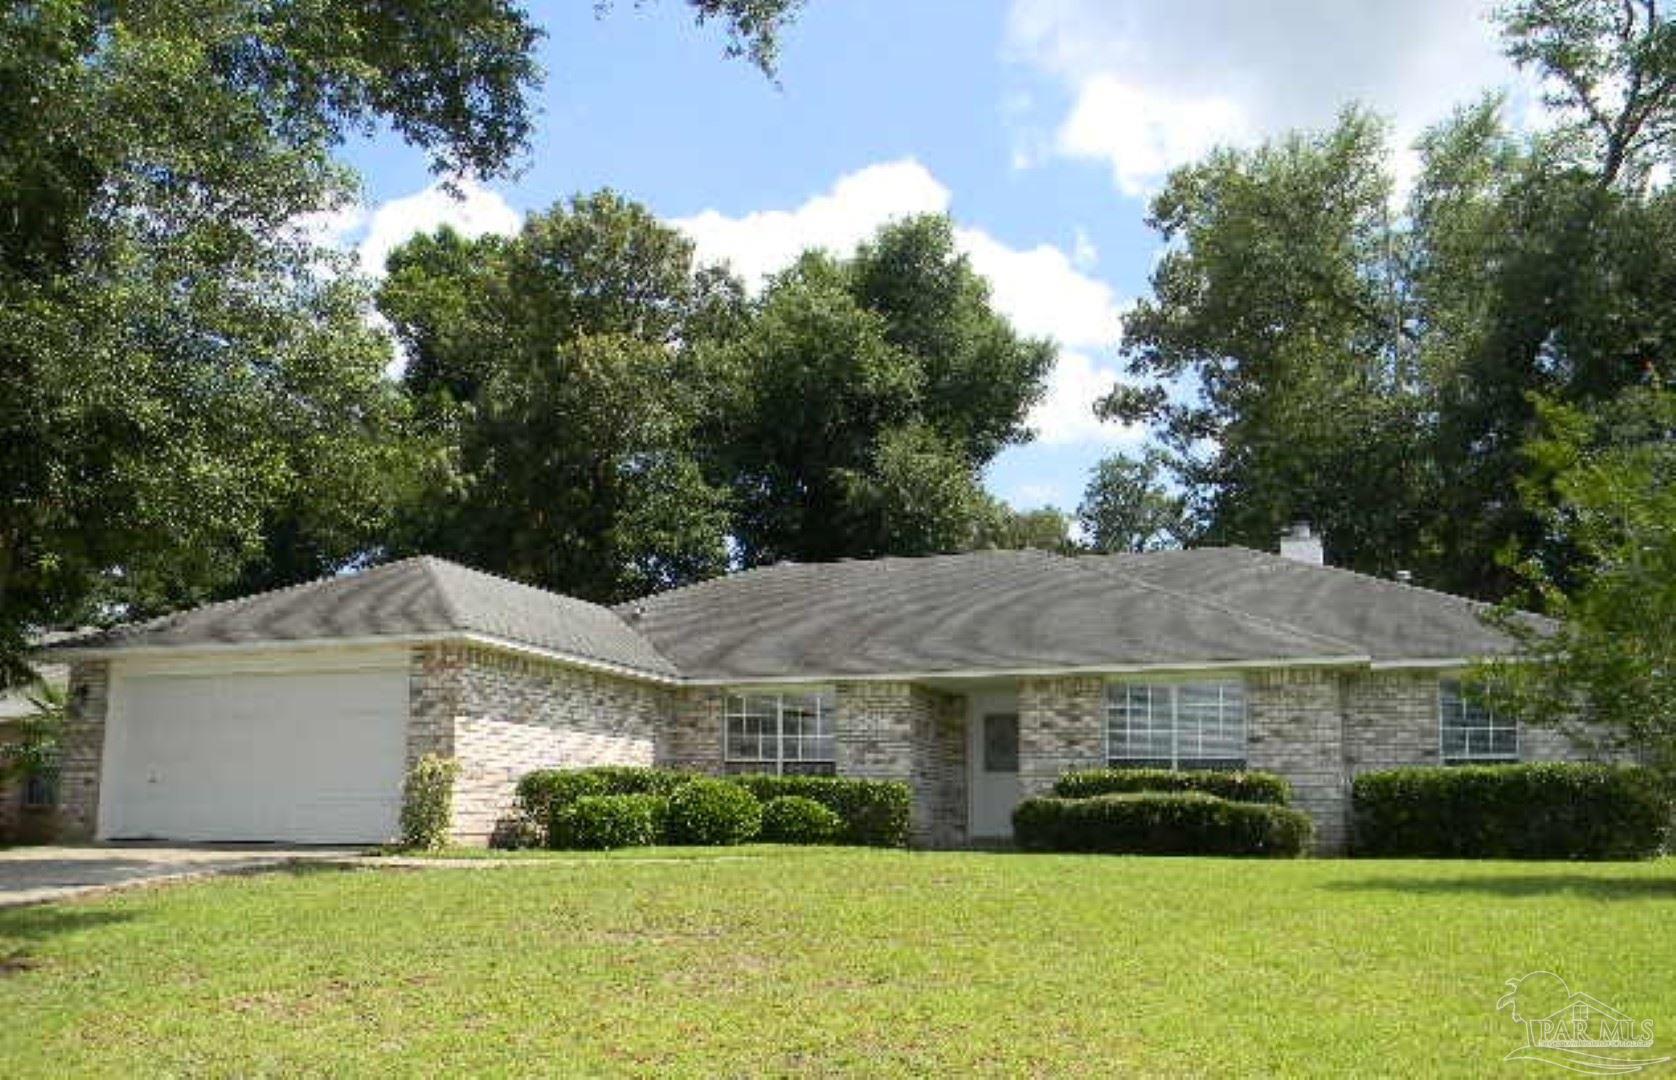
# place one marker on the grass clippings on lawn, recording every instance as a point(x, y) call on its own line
point(830, 961)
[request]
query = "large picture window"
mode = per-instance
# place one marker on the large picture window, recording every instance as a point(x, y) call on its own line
point(1469, 730)
point(780, 733)
point(1189, 725)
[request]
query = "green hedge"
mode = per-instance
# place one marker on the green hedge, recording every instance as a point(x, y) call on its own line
point(544, 793)
point(711, 813)
point(1257, 787)
point(874, 812)
point(1160, 823)
point(793, 819)
point(1547, 810)
point(600, 822)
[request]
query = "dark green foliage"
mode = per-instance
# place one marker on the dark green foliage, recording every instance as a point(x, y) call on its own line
point(1259, 787)
point(1548, 810)
point(602, 822)
point(874, 812)
point(870, 393)
point(1161, 823)
point(568, 368)
point(793, 819)
point(545, 792)
point(713, 813)
point(427, 817)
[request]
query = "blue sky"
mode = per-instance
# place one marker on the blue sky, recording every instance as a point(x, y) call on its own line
point(1040, 125)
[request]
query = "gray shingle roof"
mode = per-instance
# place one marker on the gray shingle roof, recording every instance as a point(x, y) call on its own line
point(1386, 619)
point(984, 611)
point(412, 596)
point(999, 610)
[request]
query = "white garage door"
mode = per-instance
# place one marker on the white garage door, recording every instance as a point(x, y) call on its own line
point(309, 758)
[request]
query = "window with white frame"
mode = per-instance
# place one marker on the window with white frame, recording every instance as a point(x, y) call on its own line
point(1471, 731)
point(784, 733)
point(1187, 725)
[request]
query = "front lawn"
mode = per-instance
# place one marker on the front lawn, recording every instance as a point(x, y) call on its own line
point(833, 961)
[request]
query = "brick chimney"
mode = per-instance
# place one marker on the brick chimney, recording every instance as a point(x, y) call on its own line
point(1300, 543)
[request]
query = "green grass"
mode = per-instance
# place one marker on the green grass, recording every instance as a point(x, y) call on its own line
point(830, 961)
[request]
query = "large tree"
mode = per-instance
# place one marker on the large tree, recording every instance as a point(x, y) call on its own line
point(1278, 297)
point(188, 396)
point(1606, 480)
point(1372, 366)
point(1129, 506)
point(569, 372)
point(870, 394)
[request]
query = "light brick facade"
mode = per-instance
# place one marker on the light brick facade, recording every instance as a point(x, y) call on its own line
point(82, 753)
point(903, 731)
point(1061, 727)
point(502, 714)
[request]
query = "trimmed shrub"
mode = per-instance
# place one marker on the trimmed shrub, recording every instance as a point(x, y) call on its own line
point(1160, 823)
point(601, 822)
point(713, 813)
point(427, 818)
point(874, 812)
point(544, 792)
point(793, 819)
point(1257, 787)
point(1542, 810)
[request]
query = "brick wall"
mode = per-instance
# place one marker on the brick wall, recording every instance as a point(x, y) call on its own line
point(511, 714)
point(1061, 727)
point(1295, 727)
point(901, 731)
point(693, 737)
point(83, 749)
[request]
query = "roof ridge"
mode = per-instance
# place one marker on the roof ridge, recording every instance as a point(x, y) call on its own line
point(734, 575)
point(450, 607)
point(1293, 564)
point(455, 615)
point(1215, 605)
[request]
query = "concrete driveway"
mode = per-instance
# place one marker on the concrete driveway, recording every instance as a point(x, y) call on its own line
point(37, 875)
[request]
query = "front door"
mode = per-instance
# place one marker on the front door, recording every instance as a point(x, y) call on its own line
point(994, 756)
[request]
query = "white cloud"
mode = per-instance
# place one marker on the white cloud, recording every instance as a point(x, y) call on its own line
point(1043, 293)
point(476, 211)
point(760, 243)
point(1041, 290)
point(373, 234)
point(1066, 413)
point(1143, 134)
point(1083, 251)
point(1153, 86)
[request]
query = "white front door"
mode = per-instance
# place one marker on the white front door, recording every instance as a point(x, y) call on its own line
point(310, 757)
point(992, 751)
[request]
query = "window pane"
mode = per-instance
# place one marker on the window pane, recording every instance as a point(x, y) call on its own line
point(1210, 724)
point(1138, 723)
point(1186, 725)
point(1471, 731)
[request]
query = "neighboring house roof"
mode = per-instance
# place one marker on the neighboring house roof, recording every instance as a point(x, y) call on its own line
point(1003, 611)
point(1386, 619)
point(978, 613)
point(422, 596)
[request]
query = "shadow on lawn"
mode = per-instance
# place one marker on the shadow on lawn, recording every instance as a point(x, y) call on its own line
point(1521, 885)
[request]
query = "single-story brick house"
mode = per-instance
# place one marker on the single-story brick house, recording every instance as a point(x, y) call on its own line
point(976, 678)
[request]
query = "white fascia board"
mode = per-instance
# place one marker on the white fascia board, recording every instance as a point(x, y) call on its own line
point(1438, 663)
point(233, 649)
point(1021, 673)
